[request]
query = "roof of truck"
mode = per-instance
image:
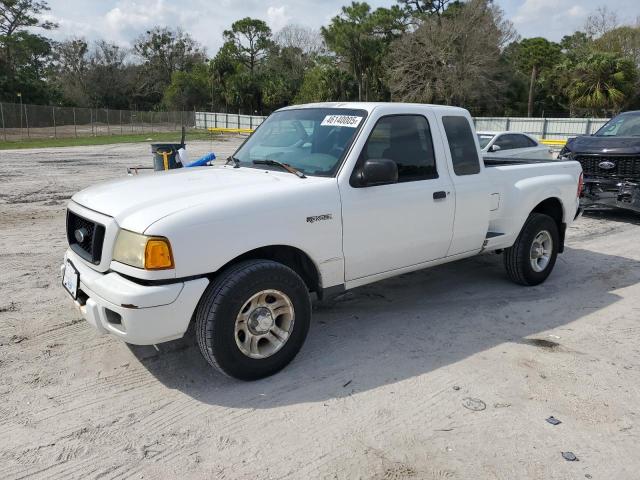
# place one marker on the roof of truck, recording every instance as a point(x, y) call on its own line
point(370, 106)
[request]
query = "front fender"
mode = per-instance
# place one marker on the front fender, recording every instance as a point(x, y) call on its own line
point(204, 239)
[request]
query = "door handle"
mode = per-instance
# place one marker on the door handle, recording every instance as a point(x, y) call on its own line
point(439, 195)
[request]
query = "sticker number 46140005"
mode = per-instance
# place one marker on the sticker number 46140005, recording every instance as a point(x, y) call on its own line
point(341, 121)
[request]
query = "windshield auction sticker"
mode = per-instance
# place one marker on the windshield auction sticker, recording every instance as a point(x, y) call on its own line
point(341, 121)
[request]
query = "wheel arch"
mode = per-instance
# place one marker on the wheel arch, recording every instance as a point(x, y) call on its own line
point(553, 208)
point(294, 258)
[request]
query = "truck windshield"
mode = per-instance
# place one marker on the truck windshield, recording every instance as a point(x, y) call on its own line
point(312, 140)
point(625, 125)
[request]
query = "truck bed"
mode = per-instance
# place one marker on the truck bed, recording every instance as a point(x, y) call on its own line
point(517, 183)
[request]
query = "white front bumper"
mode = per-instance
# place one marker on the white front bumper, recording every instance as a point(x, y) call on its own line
point(138, 314)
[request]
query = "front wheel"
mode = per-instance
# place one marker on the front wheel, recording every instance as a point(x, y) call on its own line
point(253, 319)
point(531, 258)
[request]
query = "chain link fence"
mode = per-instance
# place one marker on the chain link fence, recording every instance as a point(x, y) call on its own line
point(542, 128)
point(558, 129)
point(227, 120)
point(23, 121)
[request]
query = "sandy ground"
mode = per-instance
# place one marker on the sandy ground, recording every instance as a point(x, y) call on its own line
point(448, 373)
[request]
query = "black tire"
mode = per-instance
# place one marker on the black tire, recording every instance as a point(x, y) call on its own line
point(517, 259)
point(220, 304)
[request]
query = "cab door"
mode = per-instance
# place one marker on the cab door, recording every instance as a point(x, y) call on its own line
point(470, 182)
point(387, 227)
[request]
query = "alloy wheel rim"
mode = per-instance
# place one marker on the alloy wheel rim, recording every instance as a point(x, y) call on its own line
point(541, 249)
point(264, 324)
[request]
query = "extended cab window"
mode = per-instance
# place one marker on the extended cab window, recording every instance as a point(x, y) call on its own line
point(462, 145)
point(405, 139)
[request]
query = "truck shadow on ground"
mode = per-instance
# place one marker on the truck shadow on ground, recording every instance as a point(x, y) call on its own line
point(408, 326)
point(613, 215)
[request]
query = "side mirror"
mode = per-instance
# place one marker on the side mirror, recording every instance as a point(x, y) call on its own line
point(377, 171)
point(494, 148)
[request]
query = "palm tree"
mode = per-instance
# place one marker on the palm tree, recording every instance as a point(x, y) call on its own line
point(601, 84)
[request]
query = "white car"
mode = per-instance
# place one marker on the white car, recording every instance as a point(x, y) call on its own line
point(322, 198)
point(513, 144)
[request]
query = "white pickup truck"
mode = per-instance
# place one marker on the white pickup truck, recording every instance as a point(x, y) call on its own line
point(322, 198)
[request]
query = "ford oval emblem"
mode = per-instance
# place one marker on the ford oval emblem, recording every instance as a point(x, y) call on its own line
point(606, 165)
point(81, 235)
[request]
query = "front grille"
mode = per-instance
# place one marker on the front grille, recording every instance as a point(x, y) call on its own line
point(90, 248)
point(624, 167)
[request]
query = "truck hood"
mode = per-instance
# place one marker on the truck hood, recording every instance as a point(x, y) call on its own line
point(604, 145)
point(136, 202)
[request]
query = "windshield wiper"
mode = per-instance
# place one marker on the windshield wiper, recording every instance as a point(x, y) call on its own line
point(236, 162)
point(276, 163)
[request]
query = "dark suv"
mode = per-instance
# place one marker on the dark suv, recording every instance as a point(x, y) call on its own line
point(610, 159)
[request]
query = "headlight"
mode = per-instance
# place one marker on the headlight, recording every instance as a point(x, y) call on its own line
point(565, 154)
point(142, 251)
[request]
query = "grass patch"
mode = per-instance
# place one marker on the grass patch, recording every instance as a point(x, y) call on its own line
point(156, 137)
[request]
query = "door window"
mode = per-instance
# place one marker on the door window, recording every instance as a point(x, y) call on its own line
point(514, 140)
point(526, 142)
point(405, 139)
point(506, 142)
point(462, 145)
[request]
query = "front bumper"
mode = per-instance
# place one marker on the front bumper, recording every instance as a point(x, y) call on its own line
point(611, 193)
point(138, 314)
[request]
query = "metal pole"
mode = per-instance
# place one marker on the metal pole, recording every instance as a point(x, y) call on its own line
point(544, 128)
point(4, 131)
point(26, 119)
point(142, 121)
point(55, 129)
point(120, 121)
point(21, 132)
point(75, 125)
point(108, 126)
point(151, 122)
point(91, 120)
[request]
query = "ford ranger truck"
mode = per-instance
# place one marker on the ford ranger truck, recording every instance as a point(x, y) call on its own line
point(322, 198)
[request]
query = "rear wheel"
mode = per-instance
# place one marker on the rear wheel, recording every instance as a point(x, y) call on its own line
point(533, 255)
point(253, 319)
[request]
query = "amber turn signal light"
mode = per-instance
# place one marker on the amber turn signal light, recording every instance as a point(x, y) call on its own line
point(157, 254)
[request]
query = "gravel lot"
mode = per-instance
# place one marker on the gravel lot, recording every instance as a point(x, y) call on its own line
point(448, 373)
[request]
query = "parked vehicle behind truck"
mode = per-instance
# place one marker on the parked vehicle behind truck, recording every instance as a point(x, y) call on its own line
point(322, 198)
point(513, 144)
point(610, 159)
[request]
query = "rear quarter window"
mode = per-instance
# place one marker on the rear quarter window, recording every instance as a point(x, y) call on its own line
point(462, 145)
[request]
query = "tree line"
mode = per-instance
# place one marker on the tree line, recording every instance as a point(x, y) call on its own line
point(430, 51)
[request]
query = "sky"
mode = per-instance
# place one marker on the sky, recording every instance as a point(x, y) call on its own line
point(120, 21)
